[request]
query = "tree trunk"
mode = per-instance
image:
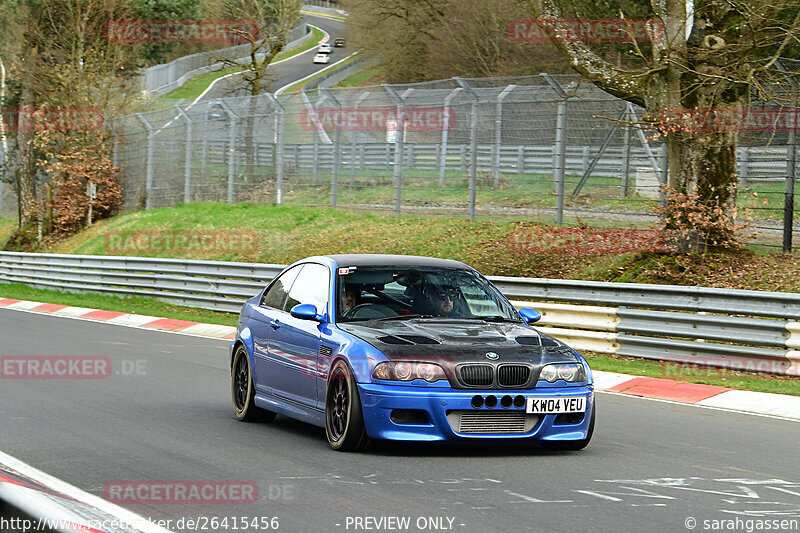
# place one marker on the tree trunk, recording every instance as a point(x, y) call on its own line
point(26, 177)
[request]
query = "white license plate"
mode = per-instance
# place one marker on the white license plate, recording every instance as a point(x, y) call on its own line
point(546, 406)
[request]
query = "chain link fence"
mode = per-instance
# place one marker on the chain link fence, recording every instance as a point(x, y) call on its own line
point(549, 148)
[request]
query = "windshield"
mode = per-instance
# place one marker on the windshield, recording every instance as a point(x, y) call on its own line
point(374, 293)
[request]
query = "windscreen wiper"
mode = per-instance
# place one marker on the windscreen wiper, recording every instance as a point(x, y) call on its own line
point(402, 317)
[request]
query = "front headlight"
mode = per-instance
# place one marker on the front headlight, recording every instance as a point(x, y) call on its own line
point(408, 371)
point(569, 372)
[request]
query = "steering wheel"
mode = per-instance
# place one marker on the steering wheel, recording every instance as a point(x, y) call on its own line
point(369, 310)
point(350, 313)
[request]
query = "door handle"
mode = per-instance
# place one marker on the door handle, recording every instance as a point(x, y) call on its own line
point(275, 324)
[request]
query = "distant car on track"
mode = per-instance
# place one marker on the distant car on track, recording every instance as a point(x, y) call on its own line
point(339, 42)
point(322, 58)
point(405, 348)
point(324, 48)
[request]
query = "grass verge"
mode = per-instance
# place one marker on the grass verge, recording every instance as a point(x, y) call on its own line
point(7, 227)
point(368, 76)
point(139, 305)
point(733, 379)
point(195, 86)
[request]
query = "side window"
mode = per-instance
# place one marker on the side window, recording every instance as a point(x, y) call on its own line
point(276, 295)
point(311, 287)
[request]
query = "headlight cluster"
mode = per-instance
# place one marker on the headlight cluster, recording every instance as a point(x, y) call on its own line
point(567, 371)
point(408, 371)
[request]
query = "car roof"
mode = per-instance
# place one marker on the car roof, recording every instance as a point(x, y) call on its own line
point(364, 260)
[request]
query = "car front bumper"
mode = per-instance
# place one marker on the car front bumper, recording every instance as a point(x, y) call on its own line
point(379, 401)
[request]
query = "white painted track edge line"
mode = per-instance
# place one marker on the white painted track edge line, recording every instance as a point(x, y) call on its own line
point(122, 325)
point(699, 406)
point(52, 482)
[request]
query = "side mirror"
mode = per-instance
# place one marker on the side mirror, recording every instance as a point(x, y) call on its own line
point(306, 312)
point(530, 315)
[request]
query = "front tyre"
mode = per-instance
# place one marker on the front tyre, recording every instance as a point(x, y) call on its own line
point(243, 391)
point(344, 421)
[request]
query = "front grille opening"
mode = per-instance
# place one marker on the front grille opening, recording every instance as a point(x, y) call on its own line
point(491, 402)
point(513, 375)
point(519, 401)
point(506, 401)
point(476, 375)
point(569, 418)
point(491, 422)
point(410, 416)
point(477, 401)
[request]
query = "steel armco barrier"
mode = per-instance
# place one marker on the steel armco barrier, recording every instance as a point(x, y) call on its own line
point(737, 329)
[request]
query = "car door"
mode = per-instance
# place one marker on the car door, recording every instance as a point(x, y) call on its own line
point(263, 324)
point(294, 343)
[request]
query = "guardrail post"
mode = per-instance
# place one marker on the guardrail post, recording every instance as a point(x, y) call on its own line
point(398, 148)
point(445, 130)
point(148, 184)
point(187, 180)
point(473, 147)
point(280, 145)
point(353, 145)
point(560, 148)
point(788, 202)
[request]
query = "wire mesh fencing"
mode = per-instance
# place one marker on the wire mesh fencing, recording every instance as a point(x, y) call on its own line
point(553, 148)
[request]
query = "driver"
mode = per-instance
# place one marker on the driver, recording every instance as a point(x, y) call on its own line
point(442, 304)
point(349, 298)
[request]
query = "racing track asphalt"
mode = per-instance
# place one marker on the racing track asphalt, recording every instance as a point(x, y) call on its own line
point(289, 71)
point(650, 466)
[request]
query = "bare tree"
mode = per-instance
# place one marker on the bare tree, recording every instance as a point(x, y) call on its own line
point(274, 19)
point(721, 61)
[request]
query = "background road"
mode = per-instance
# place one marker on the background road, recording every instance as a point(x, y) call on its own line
point(650, 466)
point(289, 71)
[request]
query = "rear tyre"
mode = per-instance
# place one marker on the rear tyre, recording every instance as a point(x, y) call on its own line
point(243, 392)
point(573, 445)
point(344, 420)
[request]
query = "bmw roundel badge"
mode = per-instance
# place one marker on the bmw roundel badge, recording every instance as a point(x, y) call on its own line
point(492, 355)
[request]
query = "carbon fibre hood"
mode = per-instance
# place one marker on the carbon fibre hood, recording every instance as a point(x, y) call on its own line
point(460, 341)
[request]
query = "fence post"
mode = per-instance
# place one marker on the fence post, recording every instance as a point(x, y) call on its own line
point(2, 172)
point(473, 147)
point(498, 130)
point(231, 149)
point(337, 152)
point(788, 202)
point(445, 130)
point(353, 146)
point(560, 146)
point(663, 176)
point(744, 166)
point(187, 179)
point(626, 150)
point(398, 148)
point(148, 184)
point(280, 145)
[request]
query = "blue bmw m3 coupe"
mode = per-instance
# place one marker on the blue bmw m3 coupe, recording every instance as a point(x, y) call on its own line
point(405, 348)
